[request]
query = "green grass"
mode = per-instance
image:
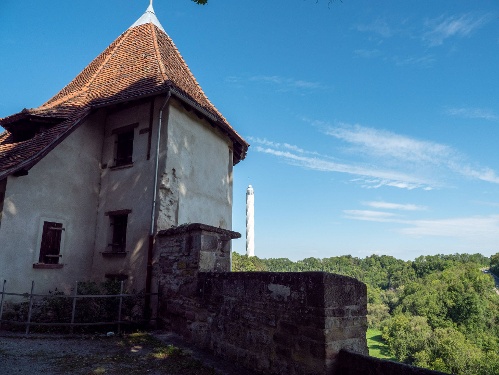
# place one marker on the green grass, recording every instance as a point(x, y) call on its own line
point(377, 346)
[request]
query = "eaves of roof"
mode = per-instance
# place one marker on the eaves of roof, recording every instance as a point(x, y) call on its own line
point(22, 156)
point(15, 157)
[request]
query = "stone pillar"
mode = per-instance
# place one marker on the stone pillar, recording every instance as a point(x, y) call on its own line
point(180, 254)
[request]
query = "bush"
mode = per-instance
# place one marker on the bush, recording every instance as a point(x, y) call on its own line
point(57, 307)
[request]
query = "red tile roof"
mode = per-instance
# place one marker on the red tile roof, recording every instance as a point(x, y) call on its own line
point(143, 61)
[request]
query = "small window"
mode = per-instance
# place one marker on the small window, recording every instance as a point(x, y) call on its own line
point(50, 248)
point(118, 224)
point(124, 148)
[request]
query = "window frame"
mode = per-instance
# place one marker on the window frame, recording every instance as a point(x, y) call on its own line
point(117, 238)
point(124, 139)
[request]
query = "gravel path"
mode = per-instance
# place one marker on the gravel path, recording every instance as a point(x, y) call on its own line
point(37, 355)
point(147, 354)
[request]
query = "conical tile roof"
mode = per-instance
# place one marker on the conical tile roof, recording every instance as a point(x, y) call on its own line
point(142, 61)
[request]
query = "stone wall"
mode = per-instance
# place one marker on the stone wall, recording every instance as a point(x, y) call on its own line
point(280, 323)
point(275, 323)
point(350, 363)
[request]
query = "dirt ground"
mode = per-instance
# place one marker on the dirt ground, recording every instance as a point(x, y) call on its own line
point(140, 353)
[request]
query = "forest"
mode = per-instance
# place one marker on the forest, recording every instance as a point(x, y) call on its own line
point(439, 312)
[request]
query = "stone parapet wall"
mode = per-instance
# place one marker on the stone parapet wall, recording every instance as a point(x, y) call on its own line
point(275, 323)
point(282, 323)
point(350, 363)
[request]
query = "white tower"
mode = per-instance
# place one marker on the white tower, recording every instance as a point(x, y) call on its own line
point(250, 222)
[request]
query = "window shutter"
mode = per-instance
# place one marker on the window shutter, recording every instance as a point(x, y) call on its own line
point(50, 247)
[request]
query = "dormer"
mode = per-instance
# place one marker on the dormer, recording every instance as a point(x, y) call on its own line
point(25, 126)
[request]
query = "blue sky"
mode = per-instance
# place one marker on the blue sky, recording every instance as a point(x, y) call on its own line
point(373, 125)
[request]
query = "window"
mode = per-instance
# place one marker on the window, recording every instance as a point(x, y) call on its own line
point(118, 220)
point(124, 148)
point(123, 151)
point(50, 247)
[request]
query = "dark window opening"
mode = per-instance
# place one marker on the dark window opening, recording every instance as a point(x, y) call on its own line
point(124, 148)
point(25, 135)
point(119, 224)
point(116, 277)
point(50, 248)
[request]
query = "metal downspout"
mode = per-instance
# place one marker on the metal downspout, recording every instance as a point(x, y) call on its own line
point(147, 306)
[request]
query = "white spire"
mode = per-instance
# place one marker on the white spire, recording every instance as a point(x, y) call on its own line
point(148, 17)
point(250, 221)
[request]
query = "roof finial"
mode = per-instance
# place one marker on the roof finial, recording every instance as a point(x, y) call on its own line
point(148, 17)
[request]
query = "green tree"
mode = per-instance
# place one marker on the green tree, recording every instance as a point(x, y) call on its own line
point(407, 337)
point(377, 313)
point(244, 263)
point(449, 351)
point(494, 264)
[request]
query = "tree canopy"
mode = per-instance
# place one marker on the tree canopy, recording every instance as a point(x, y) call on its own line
point(439, 311)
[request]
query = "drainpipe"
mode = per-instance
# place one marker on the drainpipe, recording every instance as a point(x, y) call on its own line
point(147, 307)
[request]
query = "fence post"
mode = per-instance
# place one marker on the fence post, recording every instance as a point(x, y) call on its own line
point(119, 311)
point(73, 311)
point(30, 306)
point(1, 302)
point(157, 304)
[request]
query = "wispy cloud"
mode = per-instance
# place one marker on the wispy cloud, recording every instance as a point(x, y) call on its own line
point(473, 113)
point(286, 84)
point(385, 144)
point(281, 84)
point(469, 227)
point(482, 173)
point(367, 215)
point(395, 206)
point(368, 53)
point(421, 61)
point(402, 149)
point(368, 175)
point(442, 28)
point(379, 27)
point(377, 158)
point(473, 227)
point(277, 145)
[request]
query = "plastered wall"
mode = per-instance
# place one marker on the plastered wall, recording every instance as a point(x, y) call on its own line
point(76, 184)
point(62, 187)
point(126, 188)
point(196, 178)
point(194, 182)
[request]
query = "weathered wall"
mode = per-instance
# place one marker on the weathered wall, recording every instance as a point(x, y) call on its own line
point(77, 185)
point(196, 179)
point(195, 182)
point(276, 323)
point(62, 187)
point(126, 188)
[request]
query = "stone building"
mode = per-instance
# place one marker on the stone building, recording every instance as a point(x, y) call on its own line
point(129, 147)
